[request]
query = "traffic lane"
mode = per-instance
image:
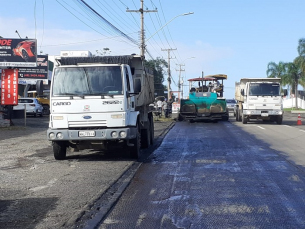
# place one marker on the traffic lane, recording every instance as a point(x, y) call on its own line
point(207, 175)
point(288, 138)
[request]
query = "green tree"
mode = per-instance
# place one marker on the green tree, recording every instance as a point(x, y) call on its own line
point(275, 70)
point(158, 65)
point(300, 60)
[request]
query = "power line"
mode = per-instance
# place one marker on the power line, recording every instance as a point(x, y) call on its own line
point(109, 24)
point(142, 25)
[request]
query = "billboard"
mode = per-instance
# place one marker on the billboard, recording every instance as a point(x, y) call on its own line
point(9, 87)
point(18, 52)
point(39, 73)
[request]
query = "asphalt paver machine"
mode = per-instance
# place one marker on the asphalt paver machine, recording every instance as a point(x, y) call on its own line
point(205, 100)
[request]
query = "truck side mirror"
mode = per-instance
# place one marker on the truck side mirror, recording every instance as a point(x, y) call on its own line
point(137, 86)
point(132, 70)
point(242, 92)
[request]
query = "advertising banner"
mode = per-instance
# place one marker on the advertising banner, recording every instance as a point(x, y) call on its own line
point(39, 73)
point(18, 52)
point(175, 107)
point(9, 87)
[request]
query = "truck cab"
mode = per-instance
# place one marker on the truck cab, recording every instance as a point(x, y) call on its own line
point(99, 102)
point(259, 98)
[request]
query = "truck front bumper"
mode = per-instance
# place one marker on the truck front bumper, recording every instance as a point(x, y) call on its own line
point(93, 134)
point(262, 112)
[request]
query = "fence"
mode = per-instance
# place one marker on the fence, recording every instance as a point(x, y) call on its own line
point(290, 103)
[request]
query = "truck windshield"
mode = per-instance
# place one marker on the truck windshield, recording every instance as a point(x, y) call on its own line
point(264, 89)
point(101, 80)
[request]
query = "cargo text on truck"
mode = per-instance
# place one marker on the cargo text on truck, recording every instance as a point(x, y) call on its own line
point(100, 102)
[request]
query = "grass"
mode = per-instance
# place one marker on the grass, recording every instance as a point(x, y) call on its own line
point(293, 109)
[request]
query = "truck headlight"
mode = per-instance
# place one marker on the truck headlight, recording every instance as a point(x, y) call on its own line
point(114, 134)
point(59, 135)
point(52, 135)
point(122, 134)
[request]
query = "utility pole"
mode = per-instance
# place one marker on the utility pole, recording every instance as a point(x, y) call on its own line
point(143, 46)
point(179, 81)
point(169, 74)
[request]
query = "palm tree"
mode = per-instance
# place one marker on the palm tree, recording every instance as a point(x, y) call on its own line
point(277, 71)
point(301, 61)
point(292, 76)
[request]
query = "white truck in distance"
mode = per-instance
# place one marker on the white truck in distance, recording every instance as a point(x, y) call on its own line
point(100, 103)
point(259, 98)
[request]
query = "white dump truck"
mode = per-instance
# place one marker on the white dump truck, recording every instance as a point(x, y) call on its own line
point(259, 98)
point(100, 103)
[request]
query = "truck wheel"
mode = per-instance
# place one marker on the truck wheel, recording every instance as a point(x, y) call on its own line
point(244, 119)
point(145, 138)
point(279, 119)
point(135, 149)
point(59, 150)
point(152, 131)
point(46, 109)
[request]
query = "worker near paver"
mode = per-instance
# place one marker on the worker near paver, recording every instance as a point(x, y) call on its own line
point(165, 108)
point(159, 106)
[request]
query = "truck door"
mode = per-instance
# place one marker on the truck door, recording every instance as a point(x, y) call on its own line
point(130, 99)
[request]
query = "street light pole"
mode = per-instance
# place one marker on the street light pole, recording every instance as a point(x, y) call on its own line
point(142, 11)
point(168, 23)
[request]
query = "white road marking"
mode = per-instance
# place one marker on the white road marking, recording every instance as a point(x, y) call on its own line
point(286, 126)
point(302, 130)
point(261, 127)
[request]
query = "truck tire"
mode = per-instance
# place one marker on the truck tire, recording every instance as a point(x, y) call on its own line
point(135, 149)
point(279, 119)
point(59, 150)
point(244, 119)
point(237, 116)
point(152, 130)
point(46, 109)
point(145, 138)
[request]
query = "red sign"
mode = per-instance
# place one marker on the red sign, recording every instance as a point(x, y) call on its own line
point(9, 87)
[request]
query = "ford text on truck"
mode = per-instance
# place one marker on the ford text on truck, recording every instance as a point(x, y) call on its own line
point(259, 98)
point(101, 102)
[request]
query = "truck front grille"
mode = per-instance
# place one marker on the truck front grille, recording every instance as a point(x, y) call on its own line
point(87, 124)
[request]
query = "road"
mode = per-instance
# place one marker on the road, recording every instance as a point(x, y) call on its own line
point(223, 175)
point(203, 175)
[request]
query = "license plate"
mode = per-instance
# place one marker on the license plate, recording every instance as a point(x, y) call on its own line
point(88, 133)
point(264, 114)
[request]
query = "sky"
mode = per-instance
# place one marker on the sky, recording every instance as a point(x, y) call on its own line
point(233, 37)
